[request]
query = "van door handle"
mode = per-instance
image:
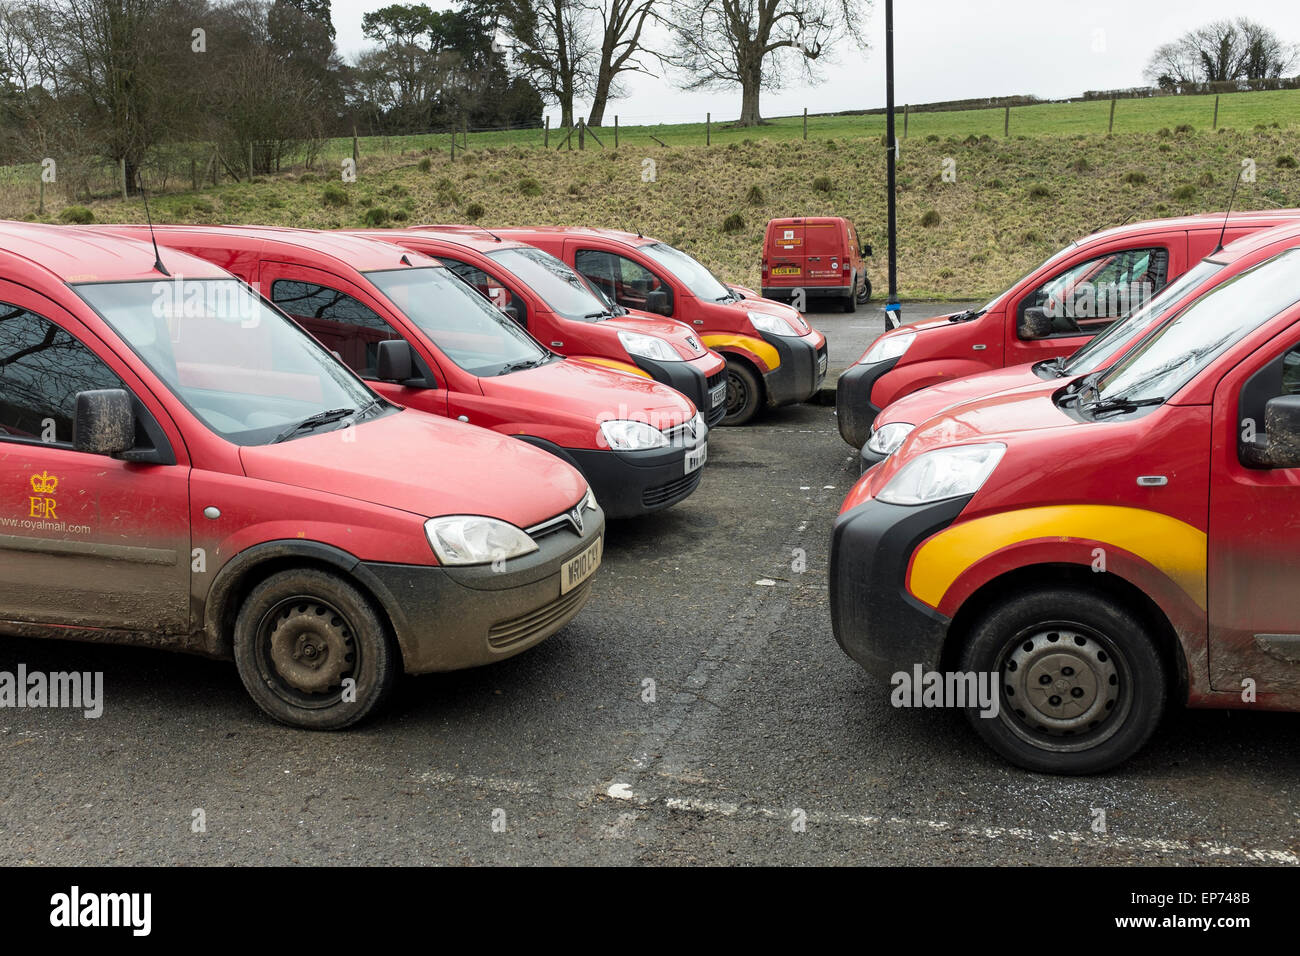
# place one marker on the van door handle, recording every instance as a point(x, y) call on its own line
point(979, 348)
point(462, 418)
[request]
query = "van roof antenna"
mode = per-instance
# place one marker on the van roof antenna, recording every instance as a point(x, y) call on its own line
point(1224, 231)
point(492, 234)
point(157, 257)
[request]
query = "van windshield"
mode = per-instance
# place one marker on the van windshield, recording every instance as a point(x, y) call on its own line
point(1102, 348)
point(702, 283)
point(1174, 355)
point(245, 370)
point(465, 326)
point(562, 289)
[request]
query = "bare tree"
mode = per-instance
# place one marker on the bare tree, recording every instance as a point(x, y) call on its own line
point(745, 43)
point(1223, 50)
point(621, 47)
point(552, 47)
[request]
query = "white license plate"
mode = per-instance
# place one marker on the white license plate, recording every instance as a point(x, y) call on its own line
point(578, 569)
point(718, 394)
point(696, 457)
point(821, 365)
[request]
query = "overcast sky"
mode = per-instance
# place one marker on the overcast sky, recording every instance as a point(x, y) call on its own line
point(944, 49)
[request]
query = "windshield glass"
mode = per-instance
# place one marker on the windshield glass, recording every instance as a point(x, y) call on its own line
point(1061, 254)
point(702, 283)
point(1101, 349)
point(559, 286)
point(465, 326)
point(244, 369)
point(1187, 344)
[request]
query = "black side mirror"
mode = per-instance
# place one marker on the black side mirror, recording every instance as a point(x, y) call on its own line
point(657, 302)
point(1279, 446)
point(1034, 323)
point(104, 422)
point(395, 363)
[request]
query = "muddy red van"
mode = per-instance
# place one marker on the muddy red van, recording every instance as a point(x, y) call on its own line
point(185, 468)
point(774, 357)
point(897, 419)
point(815, 257)
point(1051, 312)
point(1097, 551)
point(424, 339)
point(560, 309)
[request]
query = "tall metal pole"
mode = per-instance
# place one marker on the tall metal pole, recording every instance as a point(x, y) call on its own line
point(893, 309)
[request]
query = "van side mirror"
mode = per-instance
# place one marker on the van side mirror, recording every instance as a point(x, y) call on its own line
point(657, 302)
point(104, 422)
point(1279, 446)
point(394, 363)
point(1034, 323)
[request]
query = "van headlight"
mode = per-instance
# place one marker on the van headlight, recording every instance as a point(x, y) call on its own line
point(772, 324)
point(888, 347)
point(886, 439)
point(946, 473)
point(474, 539)
point(648, 346)
point(623, 435)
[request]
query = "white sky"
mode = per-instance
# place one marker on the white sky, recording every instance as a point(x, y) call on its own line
point(944, 49)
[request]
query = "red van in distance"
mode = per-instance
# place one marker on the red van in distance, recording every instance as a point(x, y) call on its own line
point(774, 357)
point(818, 255)
point(563, 312)
point(1053, 311)
point(185, 468)
point(423, 338)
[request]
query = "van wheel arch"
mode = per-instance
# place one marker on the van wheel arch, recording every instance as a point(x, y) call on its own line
point(747, 363)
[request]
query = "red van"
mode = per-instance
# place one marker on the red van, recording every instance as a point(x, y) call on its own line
point(897, 419)
point(819, 255)
point(185, 468)
point(1051, 312)
point(774, 357)
point(1100, 549)
point(423, 338)
point(563, 311)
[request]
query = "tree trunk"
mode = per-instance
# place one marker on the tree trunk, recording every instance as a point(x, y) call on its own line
point(749, 87)
point(601, 97)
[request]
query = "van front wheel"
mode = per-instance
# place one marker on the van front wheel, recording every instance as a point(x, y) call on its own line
point(744, 393)
point(1080, 685)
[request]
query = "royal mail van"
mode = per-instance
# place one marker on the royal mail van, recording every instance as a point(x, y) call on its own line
point(815, 257)
point(1053, 311)
point(185, 468)
point(1103, 549)
point(774, 357)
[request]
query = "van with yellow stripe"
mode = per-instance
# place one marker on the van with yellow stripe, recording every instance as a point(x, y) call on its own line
point(774, 357)
point(1124, 541)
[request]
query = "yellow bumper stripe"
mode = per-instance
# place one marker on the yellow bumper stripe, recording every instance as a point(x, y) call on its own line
point(760, 348)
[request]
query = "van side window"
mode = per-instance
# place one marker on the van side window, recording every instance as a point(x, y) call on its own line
point(42, 368)
point(1089, 296)
point(620, 278)
point(487, 285)
point(348, 328)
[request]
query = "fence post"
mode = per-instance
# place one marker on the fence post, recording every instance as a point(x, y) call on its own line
point(250, 160)
point(616, 131)
point(40, 209)
point(453, 145)
point(464, 131)
point(582, 134)
point(546, 141)
point(1006, 122)
point(356, 150)
point(1216, 112)
point(1111, 128)
point(708, 129)
point(906, 107)
point(805, 123)
point(122, 162)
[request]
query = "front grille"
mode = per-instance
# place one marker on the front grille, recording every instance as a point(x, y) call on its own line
point(673, 491)
point(716, 413)
point(713, 381)
point(534, 624)
point(819, 370)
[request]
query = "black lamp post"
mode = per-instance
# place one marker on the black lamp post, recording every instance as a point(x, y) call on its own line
point(893, 308)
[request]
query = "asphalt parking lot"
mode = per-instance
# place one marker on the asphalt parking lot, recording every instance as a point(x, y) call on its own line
point(698, 711)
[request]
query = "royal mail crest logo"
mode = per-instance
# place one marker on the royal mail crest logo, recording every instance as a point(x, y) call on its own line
point(45, 483)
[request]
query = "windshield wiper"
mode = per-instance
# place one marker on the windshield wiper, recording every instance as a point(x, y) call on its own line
point(1057, 366)
point(1120, 405)
point(312, 421)
point(966, 316)
point(603, 314)
point(520, 365)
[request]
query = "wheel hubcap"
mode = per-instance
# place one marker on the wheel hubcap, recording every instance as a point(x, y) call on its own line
point(737, 393)
point(311, 646)
point(1063, 682)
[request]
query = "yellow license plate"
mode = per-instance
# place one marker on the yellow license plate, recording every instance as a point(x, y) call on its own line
point(576, 570)
point(785, 271)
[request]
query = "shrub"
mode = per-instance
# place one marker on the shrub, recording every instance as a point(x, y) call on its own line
point(79, 215)
point(754, 195)
point(376, 216)
point(400, 215)
point(822, 184)
point(930, 219)
point(203, 206)
point(445, 192)
point(1039, 191)
point(1185, 193)
point(426, 164)
point(474, 211)
point(1081, 165)
point(734, 223)
point(528, 186)
point(1286, 162)
point(335, 195)
point(1135, 177)
point(308, 178)
point(1184, 128)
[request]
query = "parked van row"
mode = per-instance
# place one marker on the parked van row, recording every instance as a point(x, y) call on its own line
point(1107, 532)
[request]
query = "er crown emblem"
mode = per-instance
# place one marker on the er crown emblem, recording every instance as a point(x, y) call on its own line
point(44, 483)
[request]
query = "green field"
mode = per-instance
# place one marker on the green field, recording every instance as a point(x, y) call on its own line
point(1015, 200)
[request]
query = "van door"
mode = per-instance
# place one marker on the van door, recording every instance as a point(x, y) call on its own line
point(823, 253)
point(1087, 292)
point(623, 279)
point(86, 541)
point(1253, 571)
point(786, 253)
point(346, 319)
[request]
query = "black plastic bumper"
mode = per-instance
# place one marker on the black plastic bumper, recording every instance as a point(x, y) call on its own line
point(801, 372)
point(630, 483)
point(875, 620)
point(692, 383)
point(868, 459)
point(783, 293)
point(854, 412)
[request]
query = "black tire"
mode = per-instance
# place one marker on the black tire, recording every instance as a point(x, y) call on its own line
point(744, 393)
point(864, 291)
point(299, 636)
point(850, 303)
point(1102, 682)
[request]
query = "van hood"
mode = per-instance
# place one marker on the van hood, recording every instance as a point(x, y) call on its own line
point(425, 465)
point(679, 335)
point(937, 399)
point(592, 394)
point(1017, 411)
